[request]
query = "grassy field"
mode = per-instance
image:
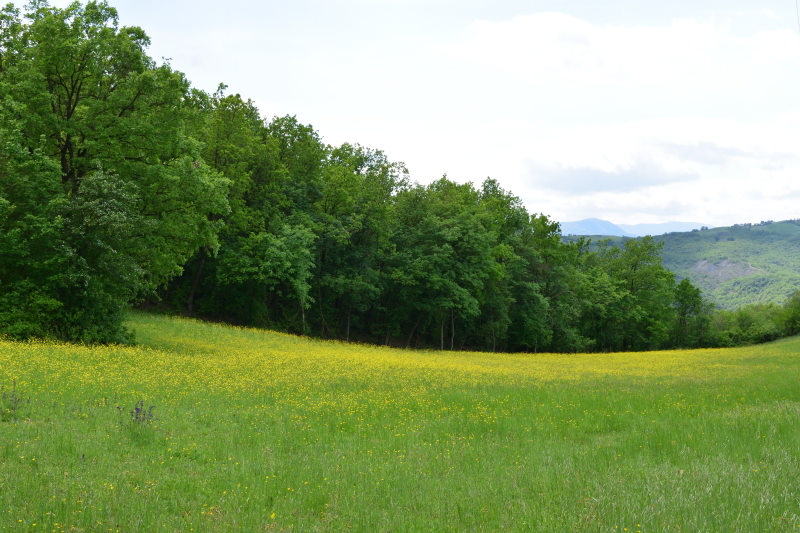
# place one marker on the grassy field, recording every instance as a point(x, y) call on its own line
point(259, 431)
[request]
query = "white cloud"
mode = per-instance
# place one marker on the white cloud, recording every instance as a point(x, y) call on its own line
point(642, 174)
point(557, 48)
point(643, 124)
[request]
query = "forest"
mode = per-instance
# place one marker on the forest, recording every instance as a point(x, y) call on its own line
point(122, 185)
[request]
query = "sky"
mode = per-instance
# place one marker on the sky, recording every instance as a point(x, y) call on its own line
point(629, 111)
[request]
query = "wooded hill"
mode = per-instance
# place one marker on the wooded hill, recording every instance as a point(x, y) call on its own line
point(735, 266)
point(739, 265)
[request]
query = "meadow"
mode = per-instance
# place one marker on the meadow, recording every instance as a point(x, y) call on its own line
point(205, 427)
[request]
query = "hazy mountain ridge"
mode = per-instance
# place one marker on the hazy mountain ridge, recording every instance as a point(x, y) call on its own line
point(593, 226)
point(737, 265)
point(596, 226)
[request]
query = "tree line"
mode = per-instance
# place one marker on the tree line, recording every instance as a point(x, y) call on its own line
point(121, 184)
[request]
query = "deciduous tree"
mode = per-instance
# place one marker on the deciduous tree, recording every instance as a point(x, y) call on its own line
point(127, 193)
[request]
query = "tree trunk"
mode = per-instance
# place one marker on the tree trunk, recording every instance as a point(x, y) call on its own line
point(323, 325)
point(441, 335)
point(452, 328)
point(348, 324)
point(413, 329)
point(196, 282)
point(303, 315)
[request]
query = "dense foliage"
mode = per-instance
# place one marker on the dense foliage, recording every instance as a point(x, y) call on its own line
point(118, 182)
point(102, 193)
point(336, 242)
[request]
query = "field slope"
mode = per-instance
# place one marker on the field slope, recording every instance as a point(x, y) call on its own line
point(258, 431)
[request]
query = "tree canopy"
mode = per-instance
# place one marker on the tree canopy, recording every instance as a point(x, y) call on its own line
point(104, 193)
point(120, 183)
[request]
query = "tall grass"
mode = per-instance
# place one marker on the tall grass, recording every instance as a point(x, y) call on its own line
point(243, 430)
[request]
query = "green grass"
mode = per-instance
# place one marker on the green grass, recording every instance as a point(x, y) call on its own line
point(259, 431)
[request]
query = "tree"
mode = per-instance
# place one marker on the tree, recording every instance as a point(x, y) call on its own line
point(129, 197)
point(35, 255)
point(233, 142)
point(353, 215)
point(607, 310)
point(692, 316)
point(263, 272)
point(442, 259)
point(638, 265)
point(625, 296)
point(515, 313)
point(789, 317)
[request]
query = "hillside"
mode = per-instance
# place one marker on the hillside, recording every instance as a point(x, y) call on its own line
point(253, 430)
point(738, 265)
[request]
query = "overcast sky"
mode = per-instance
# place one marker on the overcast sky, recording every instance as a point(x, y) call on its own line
point(631, 111)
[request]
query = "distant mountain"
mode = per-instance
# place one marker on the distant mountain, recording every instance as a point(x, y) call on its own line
point(593, 226)
point(596, 226)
